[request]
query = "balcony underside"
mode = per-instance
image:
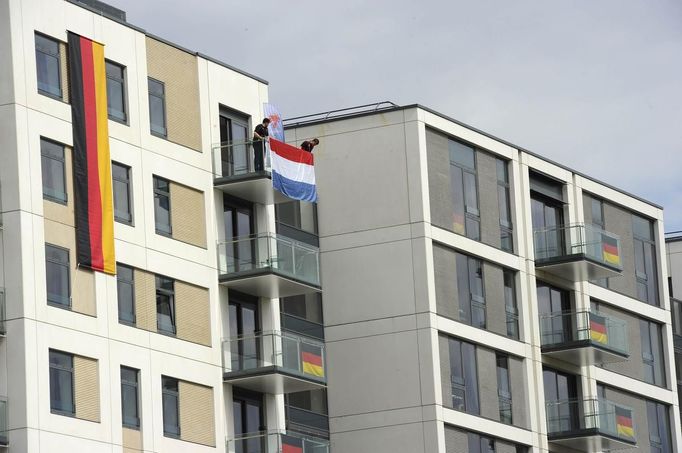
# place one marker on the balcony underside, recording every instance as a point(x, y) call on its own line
point(267, 283)
point(589, 441)
point(576, 268)
point(255, 187)
point(272, 380)
point(583, 353)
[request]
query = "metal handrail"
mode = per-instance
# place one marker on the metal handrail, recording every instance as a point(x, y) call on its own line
point(322, 116)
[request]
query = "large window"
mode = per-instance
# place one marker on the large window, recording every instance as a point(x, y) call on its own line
point(465, 214)
point(597, 210)
point(504, 395)
point(48, 66)
point(53, 165)
point(171, 405)
point(480, 444)
point(130, 406)
point(125, 282)
point(122, 194)
point(510, 306)
point(162, 206)
point(652, 352)
point(463, 376)
point(61, 383)
point(659, 427)
point(470, 290)
point(504, 204)
point(157, 107)
point(57, 276)
point(165, 305)
point(116, 92)
point(645, 260)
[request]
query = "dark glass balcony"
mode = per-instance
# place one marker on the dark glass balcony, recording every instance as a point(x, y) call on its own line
point(277, 442)
point(590, 425)
point(584, 338)
point(302, 326)
point(307, 422)
point(3, 329)
point(275, 362)
point(269, 265)
point(234, 173)
point(577, 252)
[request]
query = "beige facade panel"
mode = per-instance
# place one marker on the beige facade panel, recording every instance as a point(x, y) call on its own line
point(178, 70)
point(197, 422)
point(132, 440)
point(188, 216)
point(86, 388)
point(82, 280)
point(145, 300)
point(64, 65)
point(193, 320)
point(56, 211)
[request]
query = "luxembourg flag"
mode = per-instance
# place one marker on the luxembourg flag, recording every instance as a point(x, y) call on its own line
point(293, 171)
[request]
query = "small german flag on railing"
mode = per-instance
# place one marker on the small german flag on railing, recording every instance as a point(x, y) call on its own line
point(598, 331)
point(609, 247)
point(624, 422)
point(311, 359)
point(291, 444)
point(94, 210)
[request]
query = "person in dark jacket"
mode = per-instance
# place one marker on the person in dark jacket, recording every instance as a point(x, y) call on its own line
point(260, 134)
point(309, 145)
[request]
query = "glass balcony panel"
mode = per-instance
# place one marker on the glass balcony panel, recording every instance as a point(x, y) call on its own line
point(4, 427)
point(303, 326)
point(277, 442)
point(573, 417)
point(304, 420)
point(3, 330)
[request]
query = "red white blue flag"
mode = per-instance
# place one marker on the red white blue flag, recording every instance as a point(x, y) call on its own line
point(275, 128)
point(293, 171)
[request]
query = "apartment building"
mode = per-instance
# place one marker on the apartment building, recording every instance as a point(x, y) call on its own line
point(673, 244)
point(481, 298)
point(205, 334)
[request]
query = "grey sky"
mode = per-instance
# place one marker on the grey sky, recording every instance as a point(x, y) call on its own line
point(595, 85)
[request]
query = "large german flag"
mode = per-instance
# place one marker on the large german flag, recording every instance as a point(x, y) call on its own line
point(624, 425)
point(609, 247)
point(91, 161)
point(598, 330)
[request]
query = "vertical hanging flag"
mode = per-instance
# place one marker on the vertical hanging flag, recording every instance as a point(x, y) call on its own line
point(91, 162)
point(610, 250)
point(598, 330)
point(275, 128)
point(311, 359)
point(293, 171)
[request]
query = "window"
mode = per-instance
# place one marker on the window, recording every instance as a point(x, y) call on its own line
point(125, 283)
point(165, 305)
point(678, 373)
point(470, 290)
point(53, 166)
point(57, 276)
point(61, 383)
point(130, 407)
point(650, 334)
point(659, 428)
point(465, 217)
point(157, 107)
point(504, 204)
point(463, 376)
point(171, 404)
point(48, 66)
point(162, 206)
point(504, 389)
point(597, 210)
point(122, 196)
point(645, 260)
point(676, 314)
point(116, 92)
point(510, 306)
point(480, 444)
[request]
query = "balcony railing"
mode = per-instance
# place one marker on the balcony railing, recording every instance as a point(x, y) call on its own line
point(305, 421)
point(3, 330)
point(236, 158)
point(277, 442)
point(295, 324)
point(570, 328)
point(584, 417)
point(270, 252)
point(4, 427)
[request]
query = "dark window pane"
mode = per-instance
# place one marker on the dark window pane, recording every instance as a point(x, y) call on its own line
point(162, 205)
point(157, 107)
point(126, 294)
point(457, 193)
point(115, 91)
point(470, 378)
point(165, 305)
point(170, 401)
point(53, 170)
point(462, 155)
point(61, 382)
point(122, 194)
point(129, 397)
point(57, 276)
point(48, 67)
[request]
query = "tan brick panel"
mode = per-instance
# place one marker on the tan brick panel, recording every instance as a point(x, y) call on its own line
point(132, 440)
point(178, 70)
point(57, 211)
point(196, 413)
point(188, 217)
point(193, 320)
point(145, 300)
point(86, 388)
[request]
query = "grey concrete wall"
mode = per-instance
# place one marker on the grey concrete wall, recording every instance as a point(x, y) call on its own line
point(456, 440)
point(519, 393)
point(445, 379)
point(438, 162)
point(639, 417)
point(487, 199)
point(619, 221)
point(487, 383)
point(587, 208)
point(496, 314)
point(445, 271)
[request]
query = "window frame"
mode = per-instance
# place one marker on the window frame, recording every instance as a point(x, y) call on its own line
point(158, 193)
point(58, 56)
point(471, 214)
point(60, 369)
point(129, 193)
point(458, 349)
point(660, 440)
point(506, 225)
point(131, 283)
point(645, 251)
point(652, 352)
point(465, 284)
point(67, 265)
point(504, 388)
point(170, 294)
point(61, 161)
point(124, 90)
point(133, 385)
point(165, 392)
point(162, 97)
point(511, 306)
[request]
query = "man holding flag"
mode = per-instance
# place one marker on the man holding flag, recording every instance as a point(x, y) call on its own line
point(260, 134)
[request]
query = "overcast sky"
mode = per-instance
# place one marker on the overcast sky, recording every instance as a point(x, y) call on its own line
point(595, 85)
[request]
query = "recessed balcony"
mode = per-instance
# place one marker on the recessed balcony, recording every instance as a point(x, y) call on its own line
point(584, 338)
point(269, 265)
point(590, 425)
point(274, 362)
point(577, 252)
point(234, 173)
point(277, 442)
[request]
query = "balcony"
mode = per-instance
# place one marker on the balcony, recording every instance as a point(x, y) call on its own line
point(302, 326)
point(269, 265)
point(584, 338)
point(590, 425)
point(4, 429)
point(277, 442)
point(577, 252)
point(3, 330)
point(274, 363)
point(234, 173)
point(307, 422)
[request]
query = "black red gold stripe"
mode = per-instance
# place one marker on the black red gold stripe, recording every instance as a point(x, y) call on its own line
point(91, 162)
point(311, 359)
